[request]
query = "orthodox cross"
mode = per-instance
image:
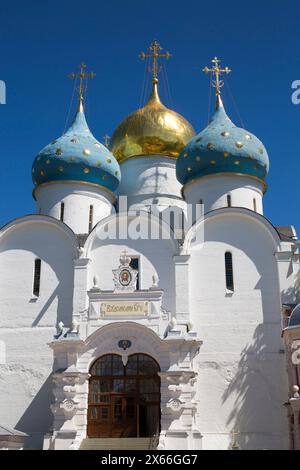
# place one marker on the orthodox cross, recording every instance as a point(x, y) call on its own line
point(217, 72)
point(234, 444)
point(106, 139)
point(82, 75)
point(155, 54)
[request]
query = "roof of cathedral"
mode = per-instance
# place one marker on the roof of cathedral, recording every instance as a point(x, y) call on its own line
point(77, 155)
point(295, 317)
point(287, 232)
point(222, 148)
point(151, 130)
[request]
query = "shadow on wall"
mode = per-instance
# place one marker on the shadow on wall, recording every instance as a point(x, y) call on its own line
point(292, 294)
point(63, 314)
point(57, 275)
point(63, 292)
point(37, 419)
point(155, 188)
point(153, 254)
point(257, 386)
point(258, 409)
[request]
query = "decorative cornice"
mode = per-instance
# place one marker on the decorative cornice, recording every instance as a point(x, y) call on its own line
point(147, 156)
point(222, 174)
point(85, 183)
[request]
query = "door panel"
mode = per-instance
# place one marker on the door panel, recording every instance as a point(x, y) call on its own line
point(124, 401)
point(99, 421)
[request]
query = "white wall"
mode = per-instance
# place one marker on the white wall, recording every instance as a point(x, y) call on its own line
point(289, 274)
point(241, 380)
point(151, 179)
point(214, 189)
point(27, 324)
point(242, 377)
point(156, 257)
point(77, 198)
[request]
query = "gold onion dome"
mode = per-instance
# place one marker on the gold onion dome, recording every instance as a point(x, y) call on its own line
point(151, 130)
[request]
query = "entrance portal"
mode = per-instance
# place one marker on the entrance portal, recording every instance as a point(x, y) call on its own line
point(124, 401)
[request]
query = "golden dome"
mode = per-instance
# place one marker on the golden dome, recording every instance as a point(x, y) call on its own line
point(151, 130)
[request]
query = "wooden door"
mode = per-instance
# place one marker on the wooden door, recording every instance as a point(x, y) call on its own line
point(124, 421)
point(117, 392)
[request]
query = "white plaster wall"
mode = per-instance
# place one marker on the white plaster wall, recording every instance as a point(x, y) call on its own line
point(27, 324)
point(25, 382)
point(19, 248)
point(242, 377)
point(213, 191)
point(77, 199)
point(151, 180)
point(289, 274)
point(156, 257)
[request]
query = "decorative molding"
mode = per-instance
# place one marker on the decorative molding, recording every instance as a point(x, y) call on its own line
point(124, 276)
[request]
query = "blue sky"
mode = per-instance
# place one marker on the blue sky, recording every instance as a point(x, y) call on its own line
point(42, 41)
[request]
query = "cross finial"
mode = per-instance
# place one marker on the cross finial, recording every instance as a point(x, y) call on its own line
point(155, 54)
point(82, 75)
point(217, 72)
point(234, 444)
point(106, 139)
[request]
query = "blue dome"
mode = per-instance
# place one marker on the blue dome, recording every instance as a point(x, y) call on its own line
point(295, 317)
point(77, 156)
point(222, 148)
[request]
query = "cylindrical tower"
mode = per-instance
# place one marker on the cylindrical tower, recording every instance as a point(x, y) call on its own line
point(147, 144)
point(75, 177)
point(224, 165)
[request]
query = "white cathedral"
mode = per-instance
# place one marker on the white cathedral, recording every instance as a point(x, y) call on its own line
point(181, 339)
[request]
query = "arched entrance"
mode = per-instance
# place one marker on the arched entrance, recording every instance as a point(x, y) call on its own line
point(124, 401)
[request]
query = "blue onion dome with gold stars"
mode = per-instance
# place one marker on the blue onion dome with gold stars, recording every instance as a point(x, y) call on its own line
point(222, 148)
point(77, 156)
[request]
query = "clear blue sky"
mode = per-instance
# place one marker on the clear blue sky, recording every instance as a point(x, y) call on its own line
point(42, 41)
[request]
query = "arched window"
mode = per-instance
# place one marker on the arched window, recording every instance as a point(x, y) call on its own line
point(135, 264)
point(182, 223)
point(254, 205)
point(229, 271)
point(172, 218)
point(62, 211)
point(37, 277)
point(91, 217)
point(228, 200)
point(201, 206)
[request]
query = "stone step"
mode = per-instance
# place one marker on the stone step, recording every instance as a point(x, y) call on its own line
point(126, 443)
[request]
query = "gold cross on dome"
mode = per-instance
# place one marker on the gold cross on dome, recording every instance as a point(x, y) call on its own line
point(106, 139)
point(82, 75)
point(155, 54)
point(217, 72)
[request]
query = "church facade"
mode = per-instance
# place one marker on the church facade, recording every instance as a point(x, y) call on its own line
point(149, 298)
